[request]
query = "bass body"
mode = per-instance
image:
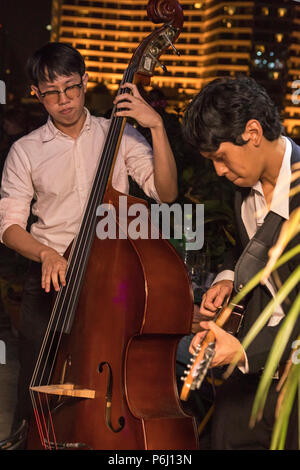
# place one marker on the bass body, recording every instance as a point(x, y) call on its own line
point(113, 385)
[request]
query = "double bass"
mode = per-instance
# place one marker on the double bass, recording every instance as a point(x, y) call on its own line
point(105, 375)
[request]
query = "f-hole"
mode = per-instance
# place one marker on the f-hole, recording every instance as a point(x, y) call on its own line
point(108, 399)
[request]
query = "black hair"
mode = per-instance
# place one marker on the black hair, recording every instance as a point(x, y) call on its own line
point(220, 112)
point(52, 60)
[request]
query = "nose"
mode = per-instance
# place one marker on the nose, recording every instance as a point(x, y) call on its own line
point(62, 97)
point(220, 168)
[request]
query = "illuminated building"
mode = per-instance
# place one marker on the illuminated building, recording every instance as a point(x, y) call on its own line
point(292, 101)
point(219, 38)
point(215, 41)
point(276, 56)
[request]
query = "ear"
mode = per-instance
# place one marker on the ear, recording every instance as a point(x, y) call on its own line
point(85, 79)
point(35, 90)
point(253, 132)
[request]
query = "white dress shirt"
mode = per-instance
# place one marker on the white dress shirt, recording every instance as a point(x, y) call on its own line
point(57, 172)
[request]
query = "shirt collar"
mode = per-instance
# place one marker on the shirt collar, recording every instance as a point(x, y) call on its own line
point(280, 199)
point(50, 131)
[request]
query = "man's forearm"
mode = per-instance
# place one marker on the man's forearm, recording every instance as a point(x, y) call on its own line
point(18, 239)
point(165, 171)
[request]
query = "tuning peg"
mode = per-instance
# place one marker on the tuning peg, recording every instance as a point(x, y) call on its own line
point(171, 44)
point(158, 63)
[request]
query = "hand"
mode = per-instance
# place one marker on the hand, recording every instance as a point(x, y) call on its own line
point(215, 296)
point(54, 268)
point(197, 318)
point(227, 346)
point(136, 107)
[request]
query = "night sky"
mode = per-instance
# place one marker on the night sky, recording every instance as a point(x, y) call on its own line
point(23, 31)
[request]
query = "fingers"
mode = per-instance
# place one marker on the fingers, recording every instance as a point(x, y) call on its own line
point(193, 348)
point(133, 88)
point(54, 276)
point(54, 269)
point(207, 306)
point(211, 325)
point(214, 297)
point(129, 97)
point(134, 106)
point(227, 347)
point(46, 279)
point(194, 343)
point(125, 105)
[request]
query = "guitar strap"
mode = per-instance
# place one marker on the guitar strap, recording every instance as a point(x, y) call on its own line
point(255, 254)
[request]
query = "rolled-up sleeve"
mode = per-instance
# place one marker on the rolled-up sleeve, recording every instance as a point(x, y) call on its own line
point(16, 190)
point(139, 161)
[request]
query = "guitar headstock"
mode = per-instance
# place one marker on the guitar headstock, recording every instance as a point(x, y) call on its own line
point(231, 315)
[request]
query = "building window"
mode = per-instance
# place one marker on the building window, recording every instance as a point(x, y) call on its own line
point(230, 10)
point(282, 12)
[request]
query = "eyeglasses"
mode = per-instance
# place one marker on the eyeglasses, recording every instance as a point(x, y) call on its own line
point(52, 96)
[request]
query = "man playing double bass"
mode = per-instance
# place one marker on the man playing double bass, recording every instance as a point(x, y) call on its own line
point(54, 166)
point(233, 123)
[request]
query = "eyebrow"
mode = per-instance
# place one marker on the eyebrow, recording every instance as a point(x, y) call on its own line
point(210, 155)
point(67, 82)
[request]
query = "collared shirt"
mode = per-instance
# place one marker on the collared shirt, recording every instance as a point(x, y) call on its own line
point(254, 210)
point(256, 204)
point(57, 172)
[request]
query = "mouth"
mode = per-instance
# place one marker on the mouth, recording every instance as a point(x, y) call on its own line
point(232, 180)
point(66, 111)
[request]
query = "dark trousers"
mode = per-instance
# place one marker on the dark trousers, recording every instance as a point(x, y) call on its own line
point(34, 316)
point(230, 422)
point(230, 429)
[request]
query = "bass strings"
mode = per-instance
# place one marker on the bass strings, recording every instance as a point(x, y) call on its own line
point(72, 266)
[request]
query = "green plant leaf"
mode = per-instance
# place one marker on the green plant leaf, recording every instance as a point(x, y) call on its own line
point(265, 315)
point(276, 352)
point(281, 423)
